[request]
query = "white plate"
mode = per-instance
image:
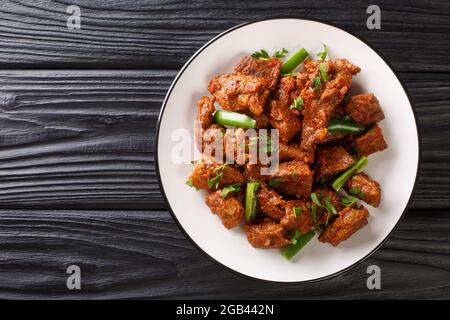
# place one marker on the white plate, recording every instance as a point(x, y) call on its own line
point(395, 168)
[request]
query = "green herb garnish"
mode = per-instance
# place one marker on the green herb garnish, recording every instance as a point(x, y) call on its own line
point(323, 54)
point(280, 53)
point(342, 179)
point(251, 200)
point(261, 55)
point(298, 241)
point(229, 189)
point(323, 68)
point(348, 202)
point(297, 104)
point(214, 182)
point(315, 199)
point(316, 82)
point(274, 182)
point(297, 211)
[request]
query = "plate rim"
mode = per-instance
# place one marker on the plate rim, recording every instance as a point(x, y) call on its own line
point(163, 107)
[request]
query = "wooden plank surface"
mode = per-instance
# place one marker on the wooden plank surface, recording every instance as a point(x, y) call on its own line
point(164, 34)
point(85, 139)
point(142, 254)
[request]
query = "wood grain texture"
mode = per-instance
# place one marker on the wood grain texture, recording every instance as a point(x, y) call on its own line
point(164, 34)
point(142, 254)
point(85, 139)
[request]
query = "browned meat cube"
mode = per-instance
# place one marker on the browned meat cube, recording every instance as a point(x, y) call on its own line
point(321, 102)
point(364, 109)
point(364, 188)
point(204, 119)
point(270, 202)
point(296, 178)
point(332, 160)
point(268, 234)
point(235, 92)
point(290, 152)
point(208, 169)
point(297, 216)
point(252, 172)
point(281, 117)
point(370, 142)
point(229, 209)
point(349, 221)
point(266, 69)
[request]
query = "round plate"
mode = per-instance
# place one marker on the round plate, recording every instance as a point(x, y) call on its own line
point(395, 168)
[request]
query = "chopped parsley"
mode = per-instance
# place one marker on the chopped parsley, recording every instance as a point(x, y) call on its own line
point(214, 182)
point(236, 187)
point(264, 55)
point(297, 104)
point(297, 211)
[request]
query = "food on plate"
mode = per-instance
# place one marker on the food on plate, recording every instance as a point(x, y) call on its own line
point(306, 120)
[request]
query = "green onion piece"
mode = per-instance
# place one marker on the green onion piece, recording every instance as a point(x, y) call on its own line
point(343, 126)
point(234, 119)
point(324, 72)
point(274, 182)
point(324, 53)
point(348, 202)
point(315, 199)
point(342, 179)
point(297, 104)
point(294, 61)
point(314, 212)
point(316, 82)
point(214, 182)
point(250, 200)
point(329, 206)
point(355, 190)
point(189, 183)
point(280, 53)
point(229, 189)
point(298, 242)
point(297, 211)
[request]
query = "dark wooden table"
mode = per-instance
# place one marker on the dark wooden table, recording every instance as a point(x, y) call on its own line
point(78, 111)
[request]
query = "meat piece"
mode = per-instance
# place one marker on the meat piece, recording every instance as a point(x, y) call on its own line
point(207, 169)
point(349, 221)
point(290, 152)
point(370, 142)
point(281, 117)
point(364, 188)
point(237, 92)
point(204, 119)
point(319, 105)
point(364, 109)
point(296, 178)
point(332, 160)
point(266, 69)
point(270, 203)
point(266, 235)
point(212, 142)
point(301, 221)
point(229, 209)
point(236, 142)
point(252, 172)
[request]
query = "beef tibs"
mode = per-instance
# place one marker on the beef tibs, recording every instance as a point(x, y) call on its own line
point(370, 142)
point(270, 202)
point(364, 109)
point(321, 98)
point(281, 117)
point(272, 159)
point(364, 188)
point(332, 160)
point(264, 69)
point(298, 216)
point(296, 178)
point(229, 209)
point(236, 92)
point(349, 221)
point(206, 170)
point(267, 234)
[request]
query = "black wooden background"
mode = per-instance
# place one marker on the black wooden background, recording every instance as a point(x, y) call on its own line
point(78, 111)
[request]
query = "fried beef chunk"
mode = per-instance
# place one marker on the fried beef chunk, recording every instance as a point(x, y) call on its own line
point(205, 111)
point(266, 235)
point(321, 100)
point(325, 192)
point(290, 152)
point(207, 169)
point(296, 178)
point(229, 209)
point(364, 109)
point(280, 116)
point(332, 160)
point(370, 142)
point(364, 188)
point(349, 221)
point(265, 69)
point(297, 216)
point(270, 202)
